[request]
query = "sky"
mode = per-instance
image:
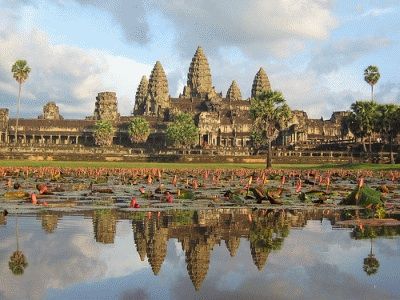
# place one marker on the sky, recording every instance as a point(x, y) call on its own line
point(314, 51)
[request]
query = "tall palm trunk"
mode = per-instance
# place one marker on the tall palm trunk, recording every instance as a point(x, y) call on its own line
point(372, 92)
point(18, 106)
point(370, 144)
point(269, 155)
point(16, 231)
point(391, 150)
point(363, 144)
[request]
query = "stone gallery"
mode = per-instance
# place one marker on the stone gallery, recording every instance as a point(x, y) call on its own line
point(222, 121)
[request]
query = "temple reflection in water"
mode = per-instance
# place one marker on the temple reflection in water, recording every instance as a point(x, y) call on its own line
point(199, 231)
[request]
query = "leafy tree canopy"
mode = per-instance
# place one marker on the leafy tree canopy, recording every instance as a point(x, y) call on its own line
point(182, 131)
point(103, 133)
point(139, 130)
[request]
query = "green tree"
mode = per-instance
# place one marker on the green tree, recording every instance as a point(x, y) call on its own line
point(362, 120)
point(20, 70)
point(182, 132)
point(103, 133)
point(387, 124)
point(270, 114)
point(17, 262)
point(371, 76)
point(139, 130)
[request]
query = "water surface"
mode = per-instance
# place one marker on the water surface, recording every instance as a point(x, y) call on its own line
point(208, 254)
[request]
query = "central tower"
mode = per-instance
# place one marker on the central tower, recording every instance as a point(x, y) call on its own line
point(199, 83)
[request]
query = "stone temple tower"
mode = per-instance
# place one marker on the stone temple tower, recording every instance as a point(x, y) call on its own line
point(157, 99)
point(199, 83)
point(140, 99)
point(106, 107)
point(260, 84)
point(51, 112)
point(233, 93)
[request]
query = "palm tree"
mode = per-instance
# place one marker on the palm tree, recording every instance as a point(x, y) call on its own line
point(270, 114)
point(362, 120)
point(387, 124)
point(17, 262)
point(20, 70)
point(371, 76)
point(139, 130)
point(103, 133)
point(371, 263)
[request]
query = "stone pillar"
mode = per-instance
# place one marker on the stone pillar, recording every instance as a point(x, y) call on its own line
point(42, 139)
point(68, 140)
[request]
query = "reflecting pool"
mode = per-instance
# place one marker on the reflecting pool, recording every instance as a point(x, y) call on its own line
point(203, 254)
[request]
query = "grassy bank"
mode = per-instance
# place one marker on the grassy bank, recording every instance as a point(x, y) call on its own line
point(80, 164)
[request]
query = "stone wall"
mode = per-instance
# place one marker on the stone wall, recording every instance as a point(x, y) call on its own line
point(79, 153)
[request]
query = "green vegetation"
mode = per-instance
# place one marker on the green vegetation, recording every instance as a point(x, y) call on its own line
point(371, 76)
point(369, 232)
point(182, 132)
point(364, 196)
point(270, 114)
point(20, 70)
point(362, 119)
point(139, 130)
point(17, 263)
point(367, 118)
point(103, 133)
point(388, 124)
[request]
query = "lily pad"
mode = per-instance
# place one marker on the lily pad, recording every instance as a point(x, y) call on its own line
point(363, 196)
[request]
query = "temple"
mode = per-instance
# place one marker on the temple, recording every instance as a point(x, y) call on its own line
point(223, 121)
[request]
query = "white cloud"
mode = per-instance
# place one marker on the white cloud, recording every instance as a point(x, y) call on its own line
point(131, 15)
point(256, 27)
point(68, 75)
point(376, 12)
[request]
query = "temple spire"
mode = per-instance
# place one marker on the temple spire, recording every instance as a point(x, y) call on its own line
point(260, 84)
point(233, 93)
point(157, 99)
point(199, 83)
point(140, 98)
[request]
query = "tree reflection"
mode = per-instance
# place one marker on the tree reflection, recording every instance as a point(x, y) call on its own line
point(371, 263)
point(17, 262)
